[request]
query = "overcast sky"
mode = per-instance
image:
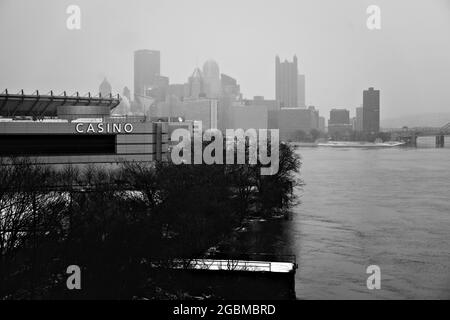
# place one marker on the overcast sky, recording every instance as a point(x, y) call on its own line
point(408, 59)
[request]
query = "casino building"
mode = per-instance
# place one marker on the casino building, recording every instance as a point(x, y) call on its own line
point(62, 129)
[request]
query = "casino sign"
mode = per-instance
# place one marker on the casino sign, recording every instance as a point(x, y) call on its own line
point(104, 127)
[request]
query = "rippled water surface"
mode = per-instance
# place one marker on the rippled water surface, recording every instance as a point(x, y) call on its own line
point(389, 207)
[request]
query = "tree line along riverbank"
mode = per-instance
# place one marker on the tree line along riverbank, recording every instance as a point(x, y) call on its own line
point(113, 222)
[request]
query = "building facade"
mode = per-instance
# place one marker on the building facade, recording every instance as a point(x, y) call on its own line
point(339, 116)
point(301, 95)
point(293, 122)
point(371, 110)
point(249, 117)
point(147, 67)
point(211, 79)
point(322, 124)
point(359, 119)
point(77, 130)
point(339, 125)
point(286, 83)
point(63, 142)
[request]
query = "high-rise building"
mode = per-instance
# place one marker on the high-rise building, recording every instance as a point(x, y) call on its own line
point(211, 78)
point(230, 86)
point(293, 123)
point(301, 91)
point(339, 116)
point(339, 124)
point(359, 119)
point(105, 88)
point(314, 116)
point(322, 124)
point(371, 111)
point(147, 68)
point(195, 85)
point(159, 89)
point(286, 83)
point(353, 123)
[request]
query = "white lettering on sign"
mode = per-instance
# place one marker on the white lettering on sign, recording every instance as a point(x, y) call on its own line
point(104, 128)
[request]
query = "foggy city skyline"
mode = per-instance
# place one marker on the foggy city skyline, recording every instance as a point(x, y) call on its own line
point(408, 60)
point(191, 153)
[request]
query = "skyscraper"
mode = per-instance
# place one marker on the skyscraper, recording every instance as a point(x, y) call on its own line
point(195, 85)
point(105, 88)
point(359, 119)
point(339, 116)
point(339, 124)
point(147, 68)
point(230, 86)
point(301, 91)
point(159, 89)
point(286, 83)
point(322, 124)
point(371, 111)
point(211, 78)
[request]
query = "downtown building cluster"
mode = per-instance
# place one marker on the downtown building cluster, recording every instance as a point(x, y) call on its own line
point(137, 126)
point(366, 120)
point(215, 99)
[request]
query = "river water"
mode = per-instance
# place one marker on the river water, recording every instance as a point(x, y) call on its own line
point(361, 207)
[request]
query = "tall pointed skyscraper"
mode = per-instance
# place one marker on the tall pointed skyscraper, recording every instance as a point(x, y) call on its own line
point(286, 83)
point(105, 88)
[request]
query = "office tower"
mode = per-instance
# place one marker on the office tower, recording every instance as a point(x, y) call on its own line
point(314, 117)
point(322, 124)
point(211, 79)
point(230, 86)
point(371, 110)
point(339, 124)
point(293, 123)
point(147, 68)
point(195, 85)
point(286, 86)
point(159, 89)
point(301, 91)
point(353, 123)
point(105, 88)
point(359, 119)
point(339, 116)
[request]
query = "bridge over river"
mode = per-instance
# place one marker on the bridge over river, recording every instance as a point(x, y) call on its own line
point(410, 135)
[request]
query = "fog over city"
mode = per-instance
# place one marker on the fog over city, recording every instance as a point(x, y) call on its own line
point(408, 60)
